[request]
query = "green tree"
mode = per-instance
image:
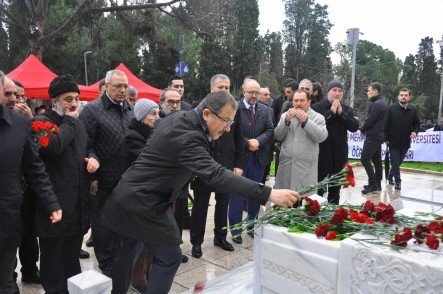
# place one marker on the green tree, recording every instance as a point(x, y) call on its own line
point(271, 62)
point(305, 32)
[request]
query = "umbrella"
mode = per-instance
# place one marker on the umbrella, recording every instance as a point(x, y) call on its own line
point(387, 161)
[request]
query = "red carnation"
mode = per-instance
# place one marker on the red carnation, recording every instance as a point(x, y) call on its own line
point(420, 233)
point(385, 213)
point(312, 207)
point(436, 226)
point(37, 126)
point(44, 141)
point(339, 216)
point(331, 235)
point(360, 217)
point(322, 230)
point(432, 242)
point(402, 238)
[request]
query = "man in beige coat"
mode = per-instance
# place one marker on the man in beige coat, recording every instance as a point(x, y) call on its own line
point(300, 129)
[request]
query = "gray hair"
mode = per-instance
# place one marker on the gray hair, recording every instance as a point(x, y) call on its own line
point(216, 101)
point(2, 78)
point(132, 91)
point(163, 94)
point(110, 73)
point(307, 82)
point(219, 77)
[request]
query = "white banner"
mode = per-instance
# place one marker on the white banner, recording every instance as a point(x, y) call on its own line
point(427, 147)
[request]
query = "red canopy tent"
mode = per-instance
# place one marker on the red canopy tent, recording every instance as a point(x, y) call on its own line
point(144, 90)
point(36, 77)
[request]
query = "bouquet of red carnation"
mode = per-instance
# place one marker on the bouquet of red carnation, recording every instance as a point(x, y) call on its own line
point(43, 132)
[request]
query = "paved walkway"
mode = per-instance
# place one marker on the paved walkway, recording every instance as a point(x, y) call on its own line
point(419, 191)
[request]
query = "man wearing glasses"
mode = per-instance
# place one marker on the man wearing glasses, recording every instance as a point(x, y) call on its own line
point(106, 120)
point(170, 100)
point(139, 206)
point(258, 132)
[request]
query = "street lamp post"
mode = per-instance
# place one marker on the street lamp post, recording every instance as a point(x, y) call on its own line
point(440, 42)
point(86, 66)
point(353, 38)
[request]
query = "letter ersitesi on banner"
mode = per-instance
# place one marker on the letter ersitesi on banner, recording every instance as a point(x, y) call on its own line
point(427, 147)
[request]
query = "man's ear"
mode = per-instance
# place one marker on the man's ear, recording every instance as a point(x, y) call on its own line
point(206, 114)
point(53, 101)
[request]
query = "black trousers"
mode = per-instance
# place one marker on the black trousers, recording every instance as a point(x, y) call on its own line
point(7, 260)
point(59, 261)
point(28, 252)
point(200, 213)
point(372, 152)
point(106, 244)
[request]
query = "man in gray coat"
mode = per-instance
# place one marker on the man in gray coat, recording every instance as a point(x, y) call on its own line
point(301, 130)
point(139, 207)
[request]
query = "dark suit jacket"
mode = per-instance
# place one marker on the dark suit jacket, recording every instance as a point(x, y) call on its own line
point(262, 130)
point(18, 156)
point(139, 206)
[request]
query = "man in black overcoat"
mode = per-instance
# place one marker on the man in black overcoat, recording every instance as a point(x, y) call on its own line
point(139, 207)
point(334, 150)
point(19, 157)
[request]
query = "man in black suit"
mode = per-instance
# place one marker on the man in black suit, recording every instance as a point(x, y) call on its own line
point(228, 150)
point(258, 131)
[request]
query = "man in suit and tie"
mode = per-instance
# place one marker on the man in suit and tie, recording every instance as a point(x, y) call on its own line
point(258, 132)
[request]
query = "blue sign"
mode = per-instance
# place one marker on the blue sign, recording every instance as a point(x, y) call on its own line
point(181, 68)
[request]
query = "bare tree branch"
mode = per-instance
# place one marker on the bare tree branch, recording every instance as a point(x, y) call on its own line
point(31, 6)
point(11, 20)
point(132, 7)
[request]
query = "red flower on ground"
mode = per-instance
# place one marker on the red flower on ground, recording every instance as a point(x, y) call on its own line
point(322, 230)
point(432, 242)
point(368, 207)
point(312, 207)
point(339, 216)
point(331, 235)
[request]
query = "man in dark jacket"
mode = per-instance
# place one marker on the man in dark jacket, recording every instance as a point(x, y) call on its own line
point(334, 150)
point(178, 151)
point(18, 156)
point(402, 124)
point(373, 130)
point(228, 150)
point(66, 163)
point(258, 134)
point(106, 120)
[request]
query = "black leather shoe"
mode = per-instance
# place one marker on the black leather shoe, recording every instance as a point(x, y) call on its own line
point(371, 189)
point(237, 240)
point(33, 278)
point(397, 186)
point(251, 234)
point(83, 254)
point(197, 250)
point(391, 182)
point(89, 242)
point(184, 259)
point(225, 245)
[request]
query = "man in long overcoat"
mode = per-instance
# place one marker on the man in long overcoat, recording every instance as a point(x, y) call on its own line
point(334, 150)
point(301, 130)
point(18, 157)
point(140, 205)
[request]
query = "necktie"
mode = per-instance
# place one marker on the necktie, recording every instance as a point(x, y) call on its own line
point(251, 108)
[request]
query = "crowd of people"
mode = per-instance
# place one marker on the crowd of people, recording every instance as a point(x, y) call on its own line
point(123, 166)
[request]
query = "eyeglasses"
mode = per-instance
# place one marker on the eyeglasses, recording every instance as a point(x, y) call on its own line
point(227, 122)
point(9, 93)
point(172, 102)
point(120, 86)
point(252, 93)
